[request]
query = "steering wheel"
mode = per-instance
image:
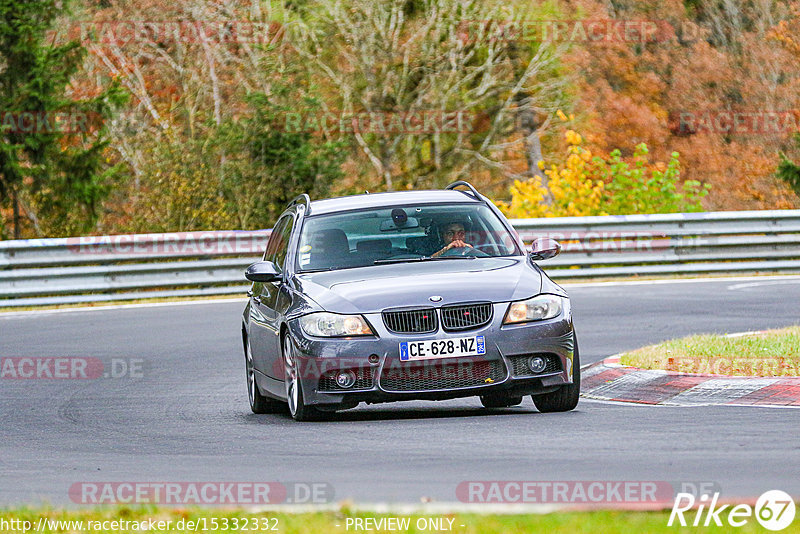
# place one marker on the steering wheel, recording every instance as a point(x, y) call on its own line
point(465, 251)
point(489, 249)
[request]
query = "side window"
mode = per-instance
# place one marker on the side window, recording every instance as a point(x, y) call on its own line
point(282, 247)
point(274, 239)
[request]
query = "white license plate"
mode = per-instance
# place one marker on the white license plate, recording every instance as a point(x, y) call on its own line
point(442, 348)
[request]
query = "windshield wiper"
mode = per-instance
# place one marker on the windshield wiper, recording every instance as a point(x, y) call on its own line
point(421, 258)
point(397, 260)
point(320, 270)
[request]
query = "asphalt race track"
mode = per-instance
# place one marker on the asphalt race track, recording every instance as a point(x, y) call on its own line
point(186, 418)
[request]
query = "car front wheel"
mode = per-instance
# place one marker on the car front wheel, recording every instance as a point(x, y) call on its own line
point(299, 410)
point(566, 397)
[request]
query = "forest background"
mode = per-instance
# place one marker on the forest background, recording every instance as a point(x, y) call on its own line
point(120, 116)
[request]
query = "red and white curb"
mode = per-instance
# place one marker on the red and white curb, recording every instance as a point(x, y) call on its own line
point(611, 381)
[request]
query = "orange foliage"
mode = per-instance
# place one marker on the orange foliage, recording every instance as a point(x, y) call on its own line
point(631, 93)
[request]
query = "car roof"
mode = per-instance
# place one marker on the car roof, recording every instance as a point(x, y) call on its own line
point(378, 200)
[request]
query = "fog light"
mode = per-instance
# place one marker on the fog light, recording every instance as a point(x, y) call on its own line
point(536, 364)
point(346, 379)
point(374, 358)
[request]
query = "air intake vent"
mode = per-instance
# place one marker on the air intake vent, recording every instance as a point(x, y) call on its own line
point(424, 376)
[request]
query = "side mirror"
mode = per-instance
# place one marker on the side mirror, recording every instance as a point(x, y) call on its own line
point(544, 248)
point(262, 271)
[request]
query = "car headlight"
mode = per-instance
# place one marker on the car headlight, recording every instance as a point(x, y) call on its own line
point(538, 308)
point(324, 324)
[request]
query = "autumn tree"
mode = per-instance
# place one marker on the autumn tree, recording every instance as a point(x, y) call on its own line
point(789, 171)
point(52, 169)
point(392, 58)
point(189, 75)
point(269, 165)
point(589, 184)
point(786, 34)
point(707, 58)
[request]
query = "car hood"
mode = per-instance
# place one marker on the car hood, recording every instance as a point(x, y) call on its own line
point(372, 289)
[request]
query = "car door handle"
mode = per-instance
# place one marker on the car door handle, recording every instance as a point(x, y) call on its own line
point(257, 299)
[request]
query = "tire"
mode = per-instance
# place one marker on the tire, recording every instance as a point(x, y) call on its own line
point(566, 398)
point(500, 401)
point(258, 402)
point(298, 409)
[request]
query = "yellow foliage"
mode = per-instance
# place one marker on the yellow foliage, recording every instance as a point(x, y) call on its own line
point(573, 192)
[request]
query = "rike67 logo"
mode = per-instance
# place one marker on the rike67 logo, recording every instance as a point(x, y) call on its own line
point(774, 510)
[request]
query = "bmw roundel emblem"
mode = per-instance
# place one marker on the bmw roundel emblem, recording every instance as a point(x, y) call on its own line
point(435, 298)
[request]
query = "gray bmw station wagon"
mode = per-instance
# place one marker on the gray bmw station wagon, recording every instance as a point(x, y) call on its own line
point(400, 296)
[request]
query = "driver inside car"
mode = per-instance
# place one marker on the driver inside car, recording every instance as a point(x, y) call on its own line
point(453, 235)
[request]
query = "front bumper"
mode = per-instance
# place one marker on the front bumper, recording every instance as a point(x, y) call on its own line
point(382, 377)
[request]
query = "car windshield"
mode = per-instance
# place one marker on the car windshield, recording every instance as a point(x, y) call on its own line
point(402, 234)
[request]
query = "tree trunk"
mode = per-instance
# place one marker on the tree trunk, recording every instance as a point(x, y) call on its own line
point(386, 162)
point(15, 204)
point(533, 147)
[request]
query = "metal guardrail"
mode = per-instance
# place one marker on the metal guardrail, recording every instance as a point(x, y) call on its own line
point(110, 268)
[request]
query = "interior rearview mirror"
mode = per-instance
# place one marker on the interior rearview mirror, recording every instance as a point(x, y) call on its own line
point(394, 224)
